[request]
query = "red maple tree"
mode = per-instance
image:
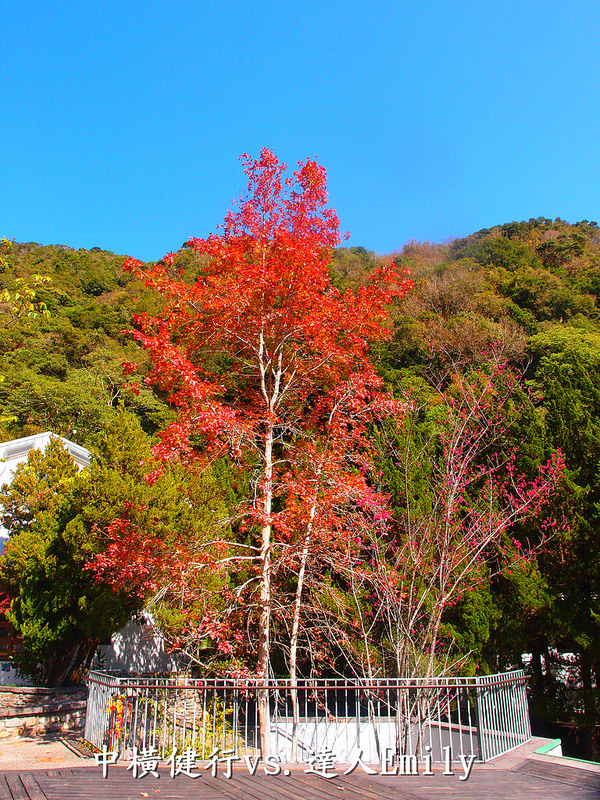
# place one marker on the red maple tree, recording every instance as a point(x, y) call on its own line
point(253, 351)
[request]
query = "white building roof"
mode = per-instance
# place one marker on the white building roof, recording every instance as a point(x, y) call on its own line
point(16, 451)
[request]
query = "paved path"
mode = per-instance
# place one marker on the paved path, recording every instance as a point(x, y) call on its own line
point(40, 752)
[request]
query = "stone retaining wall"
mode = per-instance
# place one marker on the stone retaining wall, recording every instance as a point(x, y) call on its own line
point(29, 711)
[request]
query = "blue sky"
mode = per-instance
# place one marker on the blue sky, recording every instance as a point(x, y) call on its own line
point(122, 123)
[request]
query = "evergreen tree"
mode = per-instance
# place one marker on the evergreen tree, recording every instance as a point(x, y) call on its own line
point(60, 522)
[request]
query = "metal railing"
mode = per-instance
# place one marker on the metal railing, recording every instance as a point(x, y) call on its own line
point(444, 718)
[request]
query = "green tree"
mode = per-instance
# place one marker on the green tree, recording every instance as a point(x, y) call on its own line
point(568, 375)
point(62, 521)
point(57, 607)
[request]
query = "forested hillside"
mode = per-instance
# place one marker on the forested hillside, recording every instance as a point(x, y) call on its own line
point(509, 315)
point(63, 371)
point(526, 294)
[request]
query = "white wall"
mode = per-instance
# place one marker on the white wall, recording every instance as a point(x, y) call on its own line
point(135, 648)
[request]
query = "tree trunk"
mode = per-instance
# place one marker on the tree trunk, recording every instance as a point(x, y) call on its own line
point(264, 618)
point(60, 669)
point(84, 656)
point(295, 633)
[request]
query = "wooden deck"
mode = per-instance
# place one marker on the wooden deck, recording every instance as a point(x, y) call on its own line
point(527, 780)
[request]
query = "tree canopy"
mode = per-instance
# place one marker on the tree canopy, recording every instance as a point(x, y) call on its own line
point(520, 298)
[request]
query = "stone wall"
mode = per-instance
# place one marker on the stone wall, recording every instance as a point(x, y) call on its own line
point(29, 711)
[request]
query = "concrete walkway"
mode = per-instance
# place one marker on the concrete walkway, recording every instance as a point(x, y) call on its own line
point(47, 752)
